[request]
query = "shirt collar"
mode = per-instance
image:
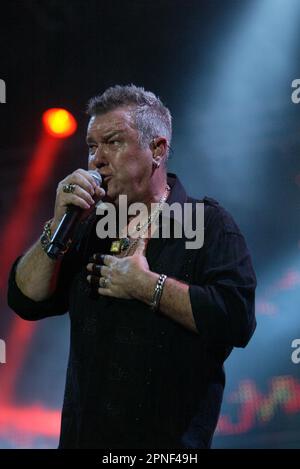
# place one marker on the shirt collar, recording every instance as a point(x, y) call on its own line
point(178, 193)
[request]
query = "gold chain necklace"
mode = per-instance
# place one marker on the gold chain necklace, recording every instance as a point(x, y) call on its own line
point(125, 245)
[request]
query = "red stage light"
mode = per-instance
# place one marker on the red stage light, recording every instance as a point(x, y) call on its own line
point(59, 122)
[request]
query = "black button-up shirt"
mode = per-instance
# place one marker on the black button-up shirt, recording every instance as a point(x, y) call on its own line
point(138, 379)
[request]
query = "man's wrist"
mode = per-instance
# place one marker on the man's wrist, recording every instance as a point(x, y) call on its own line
point(158, 292)
point(149, 288)
point(53, 226)
point(47, 233)
point(145, 286)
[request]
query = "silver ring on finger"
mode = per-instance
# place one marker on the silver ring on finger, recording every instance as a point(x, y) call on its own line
point(103, 282)
point(69, 188)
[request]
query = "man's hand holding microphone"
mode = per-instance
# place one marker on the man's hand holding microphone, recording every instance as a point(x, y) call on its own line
point(75, 197)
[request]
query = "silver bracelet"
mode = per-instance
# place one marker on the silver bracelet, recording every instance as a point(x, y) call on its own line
point(158, 292)
point(46, 235)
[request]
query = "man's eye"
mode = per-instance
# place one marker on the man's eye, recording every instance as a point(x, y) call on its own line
point(92, 150)
point(113, 142)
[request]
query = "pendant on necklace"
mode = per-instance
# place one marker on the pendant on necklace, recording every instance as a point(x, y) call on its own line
point(119, 245)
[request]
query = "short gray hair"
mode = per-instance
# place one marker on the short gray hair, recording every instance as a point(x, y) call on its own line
point(151, 118)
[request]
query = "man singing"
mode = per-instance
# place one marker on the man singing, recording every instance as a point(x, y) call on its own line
point(152, 320)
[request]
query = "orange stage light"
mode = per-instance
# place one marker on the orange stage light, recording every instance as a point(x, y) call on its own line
point(59, 122)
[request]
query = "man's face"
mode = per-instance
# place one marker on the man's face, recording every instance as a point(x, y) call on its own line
point(114, 150)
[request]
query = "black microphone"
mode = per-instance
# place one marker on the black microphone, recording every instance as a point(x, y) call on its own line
point(62, 237)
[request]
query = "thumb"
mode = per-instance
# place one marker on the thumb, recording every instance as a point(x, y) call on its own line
point(141, 247)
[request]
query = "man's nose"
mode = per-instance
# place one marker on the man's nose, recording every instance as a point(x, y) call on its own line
point(99, 159)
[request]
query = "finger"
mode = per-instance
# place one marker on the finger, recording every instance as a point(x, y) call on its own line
point(141, 245)
point(72, 199)
point(108, 260)
point(81, 180)
point(83, 194)
point(104, 292)
point(94, 268)
point(100, 192)
point(93, 280)
point(97, 257)
point(86, 174)
point(105, 271)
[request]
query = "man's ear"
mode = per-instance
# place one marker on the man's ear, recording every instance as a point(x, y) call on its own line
point(159, 148)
